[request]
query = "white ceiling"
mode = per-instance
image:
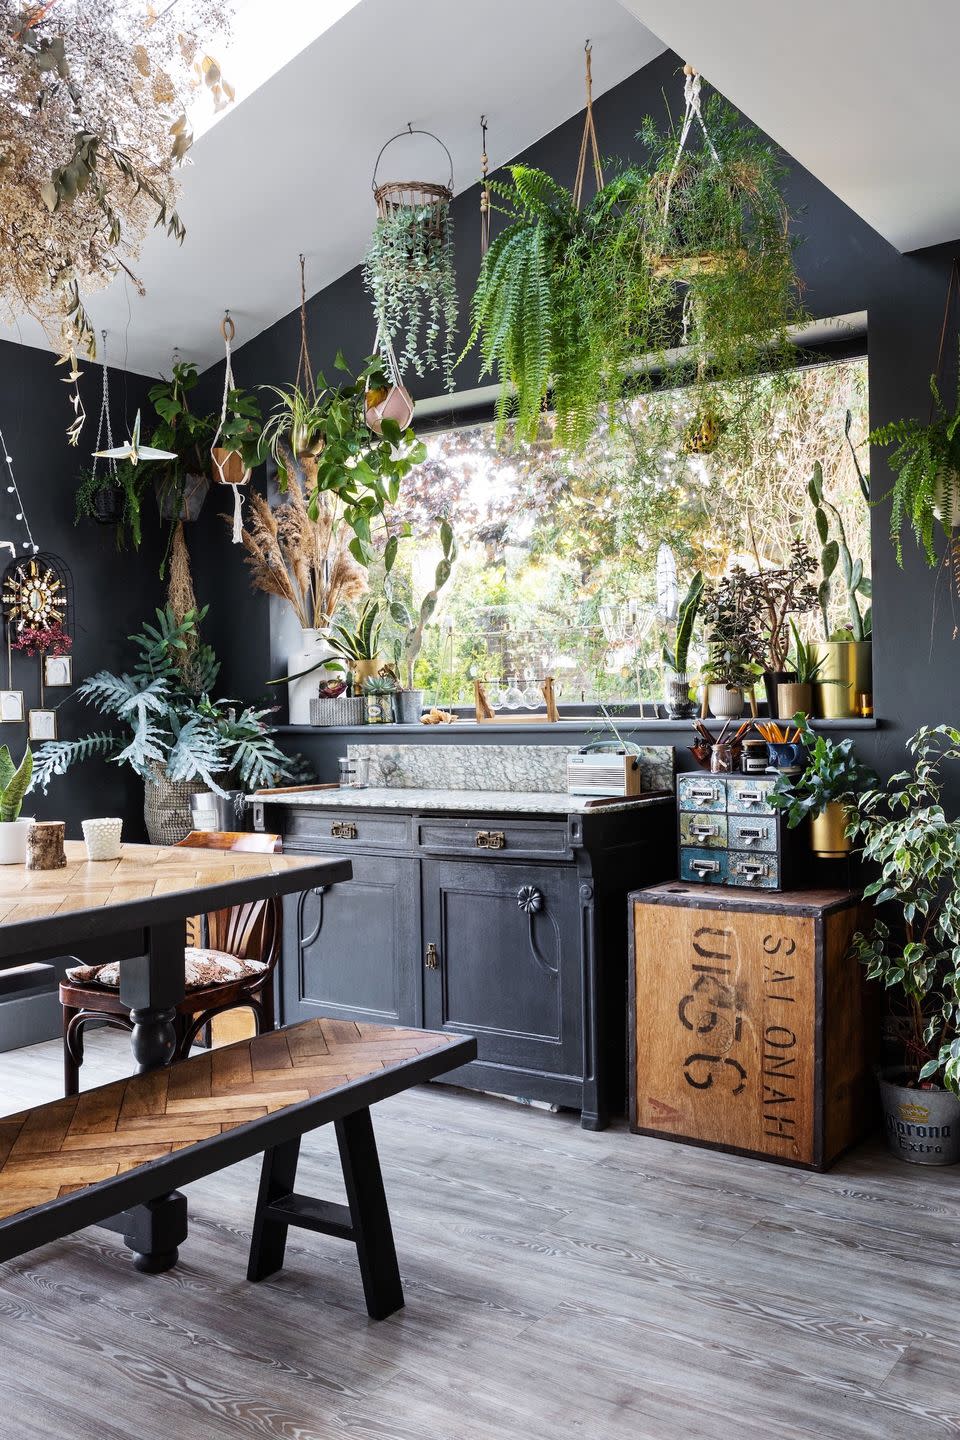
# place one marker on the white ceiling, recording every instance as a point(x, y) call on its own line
point(289, 168)
point(860, 92)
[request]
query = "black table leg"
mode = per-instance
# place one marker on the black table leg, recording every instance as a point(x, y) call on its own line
point(367, 1200)
point(152, 985)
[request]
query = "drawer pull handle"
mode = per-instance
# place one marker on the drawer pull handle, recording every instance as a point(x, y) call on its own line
point(491, 839)
point(752, 871)
point(431, 959)
point(705, 867)
point(703, 831)
point(752, 797)
point(707, 795)
point(343, 830)
point(752, 832)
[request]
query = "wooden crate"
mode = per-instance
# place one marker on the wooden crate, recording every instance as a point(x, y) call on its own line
point(749, 1023)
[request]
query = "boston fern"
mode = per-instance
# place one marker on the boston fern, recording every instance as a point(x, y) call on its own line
point(926, 462)
point(171, 723)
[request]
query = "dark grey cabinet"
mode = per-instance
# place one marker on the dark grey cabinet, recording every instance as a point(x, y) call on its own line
point(352, 951)
point(505, 966)
point(511, 928)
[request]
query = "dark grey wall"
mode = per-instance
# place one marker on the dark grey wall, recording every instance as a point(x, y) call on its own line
point(844, 265)
point(112, 591)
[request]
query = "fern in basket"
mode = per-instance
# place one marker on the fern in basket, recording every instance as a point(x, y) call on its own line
point(926, 462)
point(168, 722)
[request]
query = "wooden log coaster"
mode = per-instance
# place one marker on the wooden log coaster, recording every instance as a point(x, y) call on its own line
point(45, 845)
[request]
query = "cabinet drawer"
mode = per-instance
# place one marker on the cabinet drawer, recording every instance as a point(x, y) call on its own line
point(752, 832)
point(701, 792)
point(753, 870)
point(703, 829)
point(750, 797)
point(323, 829)
point(505, 838)
point(703, 866)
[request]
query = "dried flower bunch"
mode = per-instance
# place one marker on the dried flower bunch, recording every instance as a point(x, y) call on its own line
point(93, 124)
point(306, 562)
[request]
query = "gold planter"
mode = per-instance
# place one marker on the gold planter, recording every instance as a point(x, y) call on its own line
point(792, 698)
point(828, 837)
point(364, 670)
point(850, 663)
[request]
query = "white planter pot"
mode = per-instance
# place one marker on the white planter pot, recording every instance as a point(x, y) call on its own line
point(314, 646)
point(725, 703)
point(13, 840)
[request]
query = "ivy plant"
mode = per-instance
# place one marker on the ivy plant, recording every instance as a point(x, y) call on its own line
point(914, 951)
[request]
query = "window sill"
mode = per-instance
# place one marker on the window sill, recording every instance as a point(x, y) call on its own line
point(633, 723)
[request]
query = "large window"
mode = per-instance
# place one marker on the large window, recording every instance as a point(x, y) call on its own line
point(573, 565)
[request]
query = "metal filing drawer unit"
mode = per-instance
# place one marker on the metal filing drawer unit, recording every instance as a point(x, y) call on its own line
point(729, 834)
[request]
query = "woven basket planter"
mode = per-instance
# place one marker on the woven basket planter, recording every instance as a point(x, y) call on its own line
point(344, 710)
point(166, 808)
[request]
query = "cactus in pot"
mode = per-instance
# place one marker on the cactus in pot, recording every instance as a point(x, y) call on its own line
point(14, 784)
point(409, 644)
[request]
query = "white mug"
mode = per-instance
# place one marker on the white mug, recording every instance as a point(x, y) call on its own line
point(102, 838)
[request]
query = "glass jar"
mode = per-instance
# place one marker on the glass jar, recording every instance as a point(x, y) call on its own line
point(721, 757)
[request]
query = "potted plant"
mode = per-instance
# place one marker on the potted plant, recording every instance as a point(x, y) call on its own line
point(240, 448)
point(14, 784)
point(731, 616)
point(805, 663)
point(675, 657)
point(379, 691)
point(845, 651)
point(181, 484)
point(925, 460)
point(358, 642)
point(408, 700)
point(825, 792)
point(179, 741)
point(777, 593)
point(906, 833)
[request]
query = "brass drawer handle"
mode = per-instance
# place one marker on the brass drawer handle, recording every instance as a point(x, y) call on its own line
point(343, 830)
point(491, 839)
point(431, 959)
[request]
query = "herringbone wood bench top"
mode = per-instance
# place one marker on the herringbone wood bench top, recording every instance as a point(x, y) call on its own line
point(57, 1149)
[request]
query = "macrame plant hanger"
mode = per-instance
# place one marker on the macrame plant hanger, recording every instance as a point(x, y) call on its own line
point(588, 143)
point(104, 426)
point(484, 190)
point(305, 378)
point(226, 460)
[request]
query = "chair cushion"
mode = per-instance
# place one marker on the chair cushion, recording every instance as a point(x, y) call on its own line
point(203, 968)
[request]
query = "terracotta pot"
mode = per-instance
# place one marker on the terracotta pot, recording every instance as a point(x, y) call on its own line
point(396, 404)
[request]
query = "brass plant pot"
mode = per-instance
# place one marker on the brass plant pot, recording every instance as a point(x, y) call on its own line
point(850, 662)
point(828, 837)
point(364, 670)
point(793, 697)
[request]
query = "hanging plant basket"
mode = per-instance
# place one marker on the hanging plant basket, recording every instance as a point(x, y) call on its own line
point(182, 500)
point(392, 402)
point(228, 467)
point(107, 504)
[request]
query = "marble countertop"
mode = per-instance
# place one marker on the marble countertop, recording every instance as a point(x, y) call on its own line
point(498, 802)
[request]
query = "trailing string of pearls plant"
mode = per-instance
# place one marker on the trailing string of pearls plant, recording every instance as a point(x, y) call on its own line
point(94, 97)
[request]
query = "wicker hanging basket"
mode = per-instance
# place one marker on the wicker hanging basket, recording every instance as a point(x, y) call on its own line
point(395, 196)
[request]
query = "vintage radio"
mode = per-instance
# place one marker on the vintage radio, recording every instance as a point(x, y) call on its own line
point(602, 771)
point(731, 835)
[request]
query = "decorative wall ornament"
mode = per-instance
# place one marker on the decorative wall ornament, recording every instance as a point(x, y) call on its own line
point(93, 125)
point(34, 596)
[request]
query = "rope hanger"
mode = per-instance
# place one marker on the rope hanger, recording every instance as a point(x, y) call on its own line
point(228, 330)
point(691, 112)
point(484, 190)
point(304, 368)
point(589, 139)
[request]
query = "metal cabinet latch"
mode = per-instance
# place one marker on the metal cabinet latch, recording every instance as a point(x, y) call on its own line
point(491, 839)
point(431, 959)
point(343, 830)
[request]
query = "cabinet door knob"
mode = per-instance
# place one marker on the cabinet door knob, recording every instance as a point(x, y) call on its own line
point(431, 959)
point(530, 899)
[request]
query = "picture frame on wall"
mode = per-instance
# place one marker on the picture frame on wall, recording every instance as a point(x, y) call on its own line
point(57, 671)
point(11, 707)
point(43, 724)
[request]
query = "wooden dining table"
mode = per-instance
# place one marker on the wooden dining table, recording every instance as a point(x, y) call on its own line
point(134, 909)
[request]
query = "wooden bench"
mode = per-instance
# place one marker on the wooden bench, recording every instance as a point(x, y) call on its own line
point(88, 1159)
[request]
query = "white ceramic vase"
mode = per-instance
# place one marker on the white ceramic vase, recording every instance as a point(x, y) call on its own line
point(725, 701)
point(314, 646)
point(13, 840)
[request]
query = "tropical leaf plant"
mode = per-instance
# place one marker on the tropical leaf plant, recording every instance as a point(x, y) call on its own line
point(14, 783)
point(408, 645)
point(925, 459)
point(835, 555)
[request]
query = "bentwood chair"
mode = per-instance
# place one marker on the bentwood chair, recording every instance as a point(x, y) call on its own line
point(233, 968)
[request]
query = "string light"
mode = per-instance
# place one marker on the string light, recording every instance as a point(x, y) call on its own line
point(13, 489)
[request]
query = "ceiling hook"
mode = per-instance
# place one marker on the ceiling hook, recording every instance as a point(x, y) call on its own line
point(410, 127)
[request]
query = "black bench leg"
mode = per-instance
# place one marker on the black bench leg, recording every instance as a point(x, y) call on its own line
point(154, 1231)
point(364, 1220)
point(369, 1214)
point(269, 1239)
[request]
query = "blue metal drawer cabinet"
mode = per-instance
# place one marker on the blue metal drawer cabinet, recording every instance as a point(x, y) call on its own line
point(729, 832)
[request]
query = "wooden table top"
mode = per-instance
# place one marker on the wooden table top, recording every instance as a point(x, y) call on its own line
point(147, 885)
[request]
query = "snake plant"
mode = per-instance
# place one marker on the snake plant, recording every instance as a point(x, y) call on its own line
point(14, 783)
point(675, 658)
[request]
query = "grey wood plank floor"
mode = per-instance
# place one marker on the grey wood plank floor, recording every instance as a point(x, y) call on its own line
point(559, 1284)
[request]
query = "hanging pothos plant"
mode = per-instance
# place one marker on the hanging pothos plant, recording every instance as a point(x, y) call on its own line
point(409, 274)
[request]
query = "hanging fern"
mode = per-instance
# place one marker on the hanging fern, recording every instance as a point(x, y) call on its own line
point(926, 462)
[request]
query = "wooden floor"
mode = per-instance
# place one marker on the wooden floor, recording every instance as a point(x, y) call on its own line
point(559, 1284)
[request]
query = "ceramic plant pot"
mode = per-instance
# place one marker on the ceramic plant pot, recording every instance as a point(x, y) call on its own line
point(772, 679)
point(396, 404)
point(828, 837)
point(677, 698)
point(919, 1126)
point(183, 504)
point(725, 701)
point(364, 670)
point(228, 467)
point(13, 840)
point(314, 647)
point(849, 663)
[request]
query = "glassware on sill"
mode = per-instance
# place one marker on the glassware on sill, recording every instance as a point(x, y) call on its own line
point(361, 772)
point(502, 692)
point(532, 697)
point(347, 771)
point(493, 689)
point(513, 695)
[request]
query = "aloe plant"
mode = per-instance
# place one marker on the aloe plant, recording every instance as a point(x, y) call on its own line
point(14, 783)
point(675, 658)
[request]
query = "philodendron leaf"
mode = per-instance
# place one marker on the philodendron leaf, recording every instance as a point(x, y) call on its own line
point(446, 538)
point(390, 554)
point(391, 431)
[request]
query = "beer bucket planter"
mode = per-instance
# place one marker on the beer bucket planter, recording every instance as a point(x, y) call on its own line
point(919, 1126)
